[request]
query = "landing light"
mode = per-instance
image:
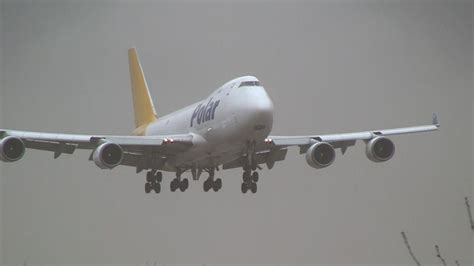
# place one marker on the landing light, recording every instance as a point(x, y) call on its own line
point(268, 141)
point(168, 141)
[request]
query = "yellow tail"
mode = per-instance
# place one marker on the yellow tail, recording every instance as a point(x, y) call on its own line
point(142, 103)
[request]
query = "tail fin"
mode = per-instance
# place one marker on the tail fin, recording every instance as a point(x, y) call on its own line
point(435, 119)
point(142, 104)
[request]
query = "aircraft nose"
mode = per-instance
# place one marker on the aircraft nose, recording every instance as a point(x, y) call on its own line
point(262, 112)
point(264, 105)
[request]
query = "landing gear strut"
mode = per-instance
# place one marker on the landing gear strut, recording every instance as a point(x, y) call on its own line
point(215, 184)
point(153, 179)
point(250, 179)
point(178, 182)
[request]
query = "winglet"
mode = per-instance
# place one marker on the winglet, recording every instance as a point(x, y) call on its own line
point(435, 119)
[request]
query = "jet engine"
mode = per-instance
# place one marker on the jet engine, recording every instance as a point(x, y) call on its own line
point(320, 155)
point(380, 149)
point(108, 155)
point(11, 149)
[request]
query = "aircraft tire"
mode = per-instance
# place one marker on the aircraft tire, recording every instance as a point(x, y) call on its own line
point(255, 177)
point(184, 185)
point(159, 177)
point(157, 188)
point(149, 177)
point(246, 177)
point(207, 185)
point(147, 188)
point(217, 184)
point(174, 185)
point(253, 187)
point(244, 187)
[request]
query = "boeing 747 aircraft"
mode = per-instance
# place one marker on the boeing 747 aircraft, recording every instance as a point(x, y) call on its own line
point(228, 129)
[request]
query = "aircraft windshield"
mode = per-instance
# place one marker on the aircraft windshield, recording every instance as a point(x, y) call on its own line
point(249, 83)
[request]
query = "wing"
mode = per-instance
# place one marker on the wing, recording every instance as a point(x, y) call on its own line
point(345, 140)
point(138, 151)
point(337, 141)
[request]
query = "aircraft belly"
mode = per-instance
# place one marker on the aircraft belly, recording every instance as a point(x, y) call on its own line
point(209, 154)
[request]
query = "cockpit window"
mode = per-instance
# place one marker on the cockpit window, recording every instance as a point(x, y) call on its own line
point(249, 83)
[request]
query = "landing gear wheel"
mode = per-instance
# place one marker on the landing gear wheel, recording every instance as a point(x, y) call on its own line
point(253, 187)
point(157, 187)
point(246, 176)
point(148, 188)
point(159, 177)
point(153, 179)
point(244, 187)
point(149, 177)
point(174, 185)
point(183, 185)
point(217, 184)
point(255, 177)
point(207, 185)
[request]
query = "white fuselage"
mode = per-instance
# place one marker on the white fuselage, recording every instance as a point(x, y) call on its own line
point(222, 125)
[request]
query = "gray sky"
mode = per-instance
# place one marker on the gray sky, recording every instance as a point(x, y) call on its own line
point(329, 67)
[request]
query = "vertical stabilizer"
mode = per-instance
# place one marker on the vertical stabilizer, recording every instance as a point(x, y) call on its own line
point(142, 103)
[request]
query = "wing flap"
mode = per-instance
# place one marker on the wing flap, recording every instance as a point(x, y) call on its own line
point(269, 158)
point(57, 147)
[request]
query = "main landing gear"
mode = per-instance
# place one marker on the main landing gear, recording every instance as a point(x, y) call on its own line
point(249, 180)
point(179, 183)
point(215, 184)
point(153, 180)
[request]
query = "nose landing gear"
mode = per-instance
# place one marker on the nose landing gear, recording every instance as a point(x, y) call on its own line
point(250, 178)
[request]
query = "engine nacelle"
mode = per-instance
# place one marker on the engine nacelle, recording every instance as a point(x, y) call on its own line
point(108, 155)
point(380, 149)
point(320, 155)
point(11, 149)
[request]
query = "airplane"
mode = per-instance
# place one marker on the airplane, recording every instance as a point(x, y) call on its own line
point(228, 129)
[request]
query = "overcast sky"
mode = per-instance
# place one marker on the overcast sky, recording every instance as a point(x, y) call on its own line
point(329, 68)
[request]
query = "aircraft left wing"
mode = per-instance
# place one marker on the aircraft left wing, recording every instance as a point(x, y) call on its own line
point(134, 150)
point(321, 147)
